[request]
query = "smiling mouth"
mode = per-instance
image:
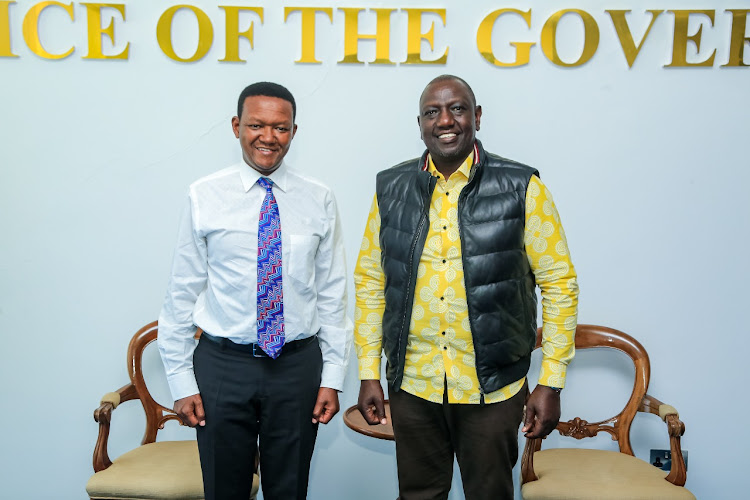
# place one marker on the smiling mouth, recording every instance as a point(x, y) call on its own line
point(447, 136)
point(265, 150)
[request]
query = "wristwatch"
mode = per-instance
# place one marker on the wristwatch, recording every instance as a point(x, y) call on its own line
point(556, 389)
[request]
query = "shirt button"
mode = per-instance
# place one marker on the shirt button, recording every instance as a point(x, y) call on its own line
point(445, 347)
point(443, 333)
point(442, 298)
point(447, 193)
point(443, 261)
point(445, 227)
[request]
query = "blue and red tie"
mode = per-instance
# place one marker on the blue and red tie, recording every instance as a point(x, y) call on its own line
point(270, 292)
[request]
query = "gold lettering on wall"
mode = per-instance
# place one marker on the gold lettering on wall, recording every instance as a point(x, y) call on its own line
point(205, 33)
point(5, 30)
point(484, 39)
point(590, 40)
point(626, 36)
point(95, 30)
point(352, 36)
point(233, 33)
point(44, 33)
point(738, 38)
point(415, 36)
point(308, 30)
point(31, 29)
point(681, 38)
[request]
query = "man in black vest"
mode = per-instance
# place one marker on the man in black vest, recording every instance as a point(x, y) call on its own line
point(455, 244)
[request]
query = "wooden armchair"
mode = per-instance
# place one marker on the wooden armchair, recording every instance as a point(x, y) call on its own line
point(155, 470)
point(599, 474)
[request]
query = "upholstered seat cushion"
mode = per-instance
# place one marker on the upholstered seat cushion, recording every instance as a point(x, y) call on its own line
point(163, 470)
point(577, 474)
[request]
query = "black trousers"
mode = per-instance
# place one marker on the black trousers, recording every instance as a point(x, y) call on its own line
point(483, 438)
point(251, 402)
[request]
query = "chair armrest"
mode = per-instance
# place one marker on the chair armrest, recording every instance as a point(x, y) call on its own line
point(675, 428)
point(103, 415)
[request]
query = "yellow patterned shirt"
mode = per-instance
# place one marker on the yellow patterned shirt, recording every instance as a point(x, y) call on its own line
point(440, 351)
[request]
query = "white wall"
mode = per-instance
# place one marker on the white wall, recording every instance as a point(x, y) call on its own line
point(648, 166)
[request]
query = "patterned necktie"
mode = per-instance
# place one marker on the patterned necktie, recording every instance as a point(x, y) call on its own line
point(270, 293)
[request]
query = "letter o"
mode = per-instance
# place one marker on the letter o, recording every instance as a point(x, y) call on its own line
point(590, 41)
point(205, 33)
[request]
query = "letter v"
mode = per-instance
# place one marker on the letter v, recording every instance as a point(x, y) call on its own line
point(625, 35)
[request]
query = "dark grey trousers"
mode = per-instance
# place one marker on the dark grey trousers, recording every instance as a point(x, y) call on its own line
point(483, 438)
point(251, 402)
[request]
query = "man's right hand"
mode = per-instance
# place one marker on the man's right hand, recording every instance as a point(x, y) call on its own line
point(190, 410)
point(371, 403)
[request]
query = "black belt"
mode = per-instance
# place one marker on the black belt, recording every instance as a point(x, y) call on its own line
point(255, 349)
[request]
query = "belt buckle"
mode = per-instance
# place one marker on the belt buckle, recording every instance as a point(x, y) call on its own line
point(258, 352)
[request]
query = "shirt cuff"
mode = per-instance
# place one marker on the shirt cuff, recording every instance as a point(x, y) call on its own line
point(369, 368)
point(552, 373)
point(183, 384)
point(333, 376)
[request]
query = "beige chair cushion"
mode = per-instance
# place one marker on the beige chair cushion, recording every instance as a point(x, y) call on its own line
point(597, 475)
point(163, 470)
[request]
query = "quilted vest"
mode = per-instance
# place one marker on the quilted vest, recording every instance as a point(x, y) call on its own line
point(498, 279)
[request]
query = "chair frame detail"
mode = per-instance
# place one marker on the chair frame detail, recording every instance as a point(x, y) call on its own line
point(593, 336)
point(156, 414)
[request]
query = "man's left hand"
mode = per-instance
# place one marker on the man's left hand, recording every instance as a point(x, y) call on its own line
point(542, 412)
point(326, 406)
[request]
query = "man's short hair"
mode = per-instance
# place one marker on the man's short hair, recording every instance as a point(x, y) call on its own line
point(443, 78)
point(267, 89)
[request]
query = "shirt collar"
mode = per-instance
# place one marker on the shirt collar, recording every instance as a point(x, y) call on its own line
point(428, 158)
point(250, 176)
point(464, 169)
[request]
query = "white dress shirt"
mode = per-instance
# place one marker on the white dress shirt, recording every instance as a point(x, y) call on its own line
point(214, 273)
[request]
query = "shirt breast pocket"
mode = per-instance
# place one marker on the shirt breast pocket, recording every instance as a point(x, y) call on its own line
point(302, 257)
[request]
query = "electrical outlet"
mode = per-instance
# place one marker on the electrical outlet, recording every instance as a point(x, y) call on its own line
point(663, 459)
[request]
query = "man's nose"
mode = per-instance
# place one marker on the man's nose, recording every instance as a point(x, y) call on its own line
point(267, 135)
point(445, 118)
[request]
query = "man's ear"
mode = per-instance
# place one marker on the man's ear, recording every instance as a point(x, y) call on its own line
point(478, 115)
point(236, 126)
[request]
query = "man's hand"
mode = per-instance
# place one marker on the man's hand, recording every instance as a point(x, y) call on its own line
point(542, 412)
point(190, 410)
point(371, 403)
point(326, 406)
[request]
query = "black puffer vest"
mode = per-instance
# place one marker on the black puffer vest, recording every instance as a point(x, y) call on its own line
point(498, 280)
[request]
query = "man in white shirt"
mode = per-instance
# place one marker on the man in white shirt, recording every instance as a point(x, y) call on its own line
point(259, 267)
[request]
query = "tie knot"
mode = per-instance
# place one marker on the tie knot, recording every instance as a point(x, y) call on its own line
point(265, 183)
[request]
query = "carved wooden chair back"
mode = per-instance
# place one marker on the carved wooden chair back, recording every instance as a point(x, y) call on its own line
point(618, 426)
point(164, 469)
point(156, 414)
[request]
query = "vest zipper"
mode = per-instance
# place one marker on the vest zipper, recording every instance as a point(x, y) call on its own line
point(411, 274)
point(461, 197)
